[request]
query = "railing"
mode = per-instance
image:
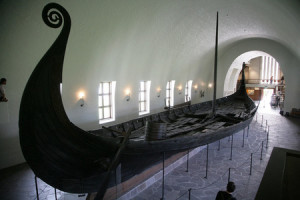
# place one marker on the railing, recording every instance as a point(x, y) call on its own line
point(263, 81)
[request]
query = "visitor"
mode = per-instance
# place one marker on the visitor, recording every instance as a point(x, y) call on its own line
point(2, 91)
point(271, 80)
point(226, 195)
point(282, 79)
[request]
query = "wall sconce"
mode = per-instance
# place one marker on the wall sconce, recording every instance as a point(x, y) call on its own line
point(195, 87)
point(210, 85)
point(81, 95)
point(158, 90)
point(179, 89)
point(127, 93)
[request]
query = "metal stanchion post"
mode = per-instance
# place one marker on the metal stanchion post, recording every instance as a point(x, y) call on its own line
point(262, 147)
point(116, 182)
point(231, 148)
point(247, 130)
point(251, 164)
point(187, 160)
point(219, 145)
point(163, 179)
point(206, 161)
point(262, 120)
point(118, 174)
point(267, 137)
point(243, 137)
point(36, 188)
point(256, 116)
point(190, 190)
point(55, 193)
point(228, 175)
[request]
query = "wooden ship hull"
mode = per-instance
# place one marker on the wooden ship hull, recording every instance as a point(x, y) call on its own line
point(77, 161)
point(186, 127)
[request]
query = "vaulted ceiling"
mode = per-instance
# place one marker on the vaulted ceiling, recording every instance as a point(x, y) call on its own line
point(135, 40)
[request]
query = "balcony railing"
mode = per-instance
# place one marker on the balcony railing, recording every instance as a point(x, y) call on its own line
point(263, 81)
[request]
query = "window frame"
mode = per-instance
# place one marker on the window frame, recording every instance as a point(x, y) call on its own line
point(111, 102)
point(269, 68)
point(170, 93)
point(146, 99)
point(188, 91)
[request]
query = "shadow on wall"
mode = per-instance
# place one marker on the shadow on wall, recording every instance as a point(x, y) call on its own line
point(4, 113)
point(10, 150)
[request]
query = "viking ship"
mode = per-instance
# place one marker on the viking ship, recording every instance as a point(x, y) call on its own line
point(77, 161)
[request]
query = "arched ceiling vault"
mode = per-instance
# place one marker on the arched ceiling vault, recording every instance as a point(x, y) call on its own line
point(136, 40)
point(133, 40)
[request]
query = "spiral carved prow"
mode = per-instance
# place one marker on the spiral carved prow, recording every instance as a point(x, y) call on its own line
point(54, 14)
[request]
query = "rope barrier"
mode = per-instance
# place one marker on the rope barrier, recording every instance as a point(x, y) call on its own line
point(182, 195)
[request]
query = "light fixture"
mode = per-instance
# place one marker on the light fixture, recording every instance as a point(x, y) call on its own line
point(195, 87)
point(81, 99)
point(158, 90)
point(179, 89)
point(127, 93)
point(210, 85)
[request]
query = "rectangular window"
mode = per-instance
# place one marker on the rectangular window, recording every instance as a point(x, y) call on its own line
point(262, 75)
point(188, 91)
point(273, 69)
point(276, 76)
point(270, 70)
point(170, 93)
point(60, 88)
point(106, 102)
point(144, 97)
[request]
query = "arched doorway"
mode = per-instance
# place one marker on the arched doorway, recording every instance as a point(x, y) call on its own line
point(288, 60)
point(263, 79)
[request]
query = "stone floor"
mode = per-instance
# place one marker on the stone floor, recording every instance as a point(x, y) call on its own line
point(284, 132)
point(17, 183)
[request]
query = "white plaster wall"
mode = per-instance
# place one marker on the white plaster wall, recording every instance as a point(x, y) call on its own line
point(133, 40)
point(254, 68)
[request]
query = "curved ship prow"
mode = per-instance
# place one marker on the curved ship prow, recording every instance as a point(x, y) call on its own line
point(58, 152)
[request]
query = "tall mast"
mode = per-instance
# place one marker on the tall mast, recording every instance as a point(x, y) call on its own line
point(215, 69)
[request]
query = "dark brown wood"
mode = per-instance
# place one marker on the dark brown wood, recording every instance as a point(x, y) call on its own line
point(281, 177)
point(155, 131)
point(57, 151)
point(73, 160)
point(215, 68)
point(114, 163)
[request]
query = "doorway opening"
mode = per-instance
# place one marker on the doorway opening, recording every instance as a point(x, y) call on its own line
point(264, 80)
